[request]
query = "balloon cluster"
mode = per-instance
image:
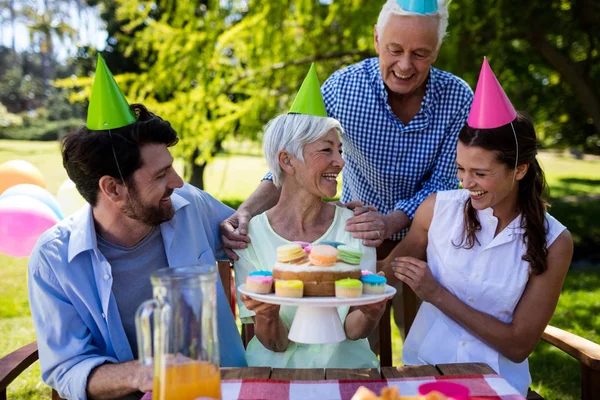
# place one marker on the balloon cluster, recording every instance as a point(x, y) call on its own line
point(27, 209)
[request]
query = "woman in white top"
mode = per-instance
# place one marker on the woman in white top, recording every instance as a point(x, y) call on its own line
point(304, 154)
point(496, 261)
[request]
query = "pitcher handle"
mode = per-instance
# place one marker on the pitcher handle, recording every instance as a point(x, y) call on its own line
point(143, 330)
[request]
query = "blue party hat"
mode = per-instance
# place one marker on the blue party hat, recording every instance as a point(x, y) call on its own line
point(419, 6)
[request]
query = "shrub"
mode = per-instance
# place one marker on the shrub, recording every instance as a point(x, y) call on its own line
point(8, 119)
point(40, 129)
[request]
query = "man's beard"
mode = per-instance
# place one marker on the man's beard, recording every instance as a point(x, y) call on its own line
point(147, 214)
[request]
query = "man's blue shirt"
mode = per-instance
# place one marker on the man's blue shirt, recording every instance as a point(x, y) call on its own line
point(388, 164)
point(75, 313)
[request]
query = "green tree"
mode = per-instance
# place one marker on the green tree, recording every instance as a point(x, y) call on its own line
point(45, 26)
point(21, 84)
point(221, 68)
point(545, 53)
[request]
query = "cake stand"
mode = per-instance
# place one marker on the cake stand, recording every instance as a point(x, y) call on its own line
point(317, 320)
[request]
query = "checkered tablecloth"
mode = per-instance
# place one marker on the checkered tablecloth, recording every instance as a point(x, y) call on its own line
point(480, 387)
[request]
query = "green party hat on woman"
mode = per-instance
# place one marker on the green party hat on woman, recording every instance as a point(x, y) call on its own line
point(108, 107)
point(309, 100)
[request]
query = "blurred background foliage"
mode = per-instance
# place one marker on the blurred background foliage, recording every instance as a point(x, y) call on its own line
point(219, 69)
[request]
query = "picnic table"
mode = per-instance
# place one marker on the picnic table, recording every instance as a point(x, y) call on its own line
point(340, 384)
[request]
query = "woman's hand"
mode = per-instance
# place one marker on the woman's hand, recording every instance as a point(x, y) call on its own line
point(416, 274)
point(361, 321)
point(261, 309)
point(373, 312)
point(268, 327)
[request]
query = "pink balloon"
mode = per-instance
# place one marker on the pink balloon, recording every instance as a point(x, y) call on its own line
point(22, 220)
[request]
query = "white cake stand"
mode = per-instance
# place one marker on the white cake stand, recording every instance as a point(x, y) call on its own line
point(317, 320)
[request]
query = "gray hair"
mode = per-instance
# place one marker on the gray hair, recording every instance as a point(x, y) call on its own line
point(291, 132)
point(392, 7)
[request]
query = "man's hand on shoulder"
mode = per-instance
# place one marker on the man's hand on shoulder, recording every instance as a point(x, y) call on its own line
point(366, 224)
point(234, 232)
point(373, 227)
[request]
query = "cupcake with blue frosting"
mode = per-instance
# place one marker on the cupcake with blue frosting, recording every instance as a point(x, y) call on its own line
point(373, 284)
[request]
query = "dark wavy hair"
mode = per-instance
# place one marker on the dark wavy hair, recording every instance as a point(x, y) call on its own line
point(88, 155)
point(532, 188)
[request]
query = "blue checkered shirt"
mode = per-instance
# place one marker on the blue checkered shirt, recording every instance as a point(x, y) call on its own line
point(388, 164)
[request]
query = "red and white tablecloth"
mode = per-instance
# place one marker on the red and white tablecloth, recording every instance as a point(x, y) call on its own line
point(480, 387)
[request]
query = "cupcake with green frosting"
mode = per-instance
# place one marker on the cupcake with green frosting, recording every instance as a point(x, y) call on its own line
point(348, 288)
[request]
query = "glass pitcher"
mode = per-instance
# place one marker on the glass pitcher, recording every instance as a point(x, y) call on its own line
point(183, 343)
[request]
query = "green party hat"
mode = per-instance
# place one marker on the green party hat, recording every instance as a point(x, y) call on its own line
point(108, 107)
point(309, 100)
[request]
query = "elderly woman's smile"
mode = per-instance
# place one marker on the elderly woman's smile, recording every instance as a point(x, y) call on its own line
point(322, 164)
point(331, 176)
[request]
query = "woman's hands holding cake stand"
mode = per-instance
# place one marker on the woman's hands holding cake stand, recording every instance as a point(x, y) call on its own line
point(268, 326)
point(317, 279)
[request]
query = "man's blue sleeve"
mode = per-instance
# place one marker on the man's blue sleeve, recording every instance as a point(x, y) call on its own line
point(66, 353)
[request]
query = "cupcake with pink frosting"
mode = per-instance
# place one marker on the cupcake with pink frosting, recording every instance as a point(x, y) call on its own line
point(262, 284)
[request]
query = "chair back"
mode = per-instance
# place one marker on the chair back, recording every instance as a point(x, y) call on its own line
point(226, 272)
point(13, 364)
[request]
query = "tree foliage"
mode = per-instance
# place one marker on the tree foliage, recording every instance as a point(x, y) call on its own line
point(217, 69)
point(545, 53)
point(222, 68)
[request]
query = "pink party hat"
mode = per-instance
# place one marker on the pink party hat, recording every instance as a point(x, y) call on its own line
point(491, 107)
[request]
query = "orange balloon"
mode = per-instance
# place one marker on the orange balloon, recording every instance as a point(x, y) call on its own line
point(15, 172)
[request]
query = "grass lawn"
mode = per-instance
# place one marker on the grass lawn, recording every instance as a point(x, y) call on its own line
point(233, 176)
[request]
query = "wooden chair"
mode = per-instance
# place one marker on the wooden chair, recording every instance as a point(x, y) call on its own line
point(13, 364)
point(226, 273)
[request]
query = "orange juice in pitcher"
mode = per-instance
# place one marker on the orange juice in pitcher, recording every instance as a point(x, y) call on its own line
point(177, 332)
point(188, 382)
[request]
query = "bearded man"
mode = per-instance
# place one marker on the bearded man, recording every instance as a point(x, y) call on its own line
point(90, 272)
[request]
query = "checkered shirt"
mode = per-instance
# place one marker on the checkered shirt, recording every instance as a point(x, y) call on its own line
point(388, 164)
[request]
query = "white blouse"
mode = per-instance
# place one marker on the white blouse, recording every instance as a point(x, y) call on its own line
point(490, 277)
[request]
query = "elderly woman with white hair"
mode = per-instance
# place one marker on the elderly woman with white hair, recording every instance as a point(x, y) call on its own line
point(304, 153)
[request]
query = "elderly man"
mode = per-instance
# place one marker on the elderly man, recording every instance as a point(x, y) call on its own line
point(401, 119)
point(89, 273)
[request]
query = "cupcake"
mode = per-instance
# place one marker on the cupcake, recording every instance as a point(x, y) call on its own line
point(259, 284)
point(292, 288)
point(261, 272)
point(348, 288)
point(373, 284)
